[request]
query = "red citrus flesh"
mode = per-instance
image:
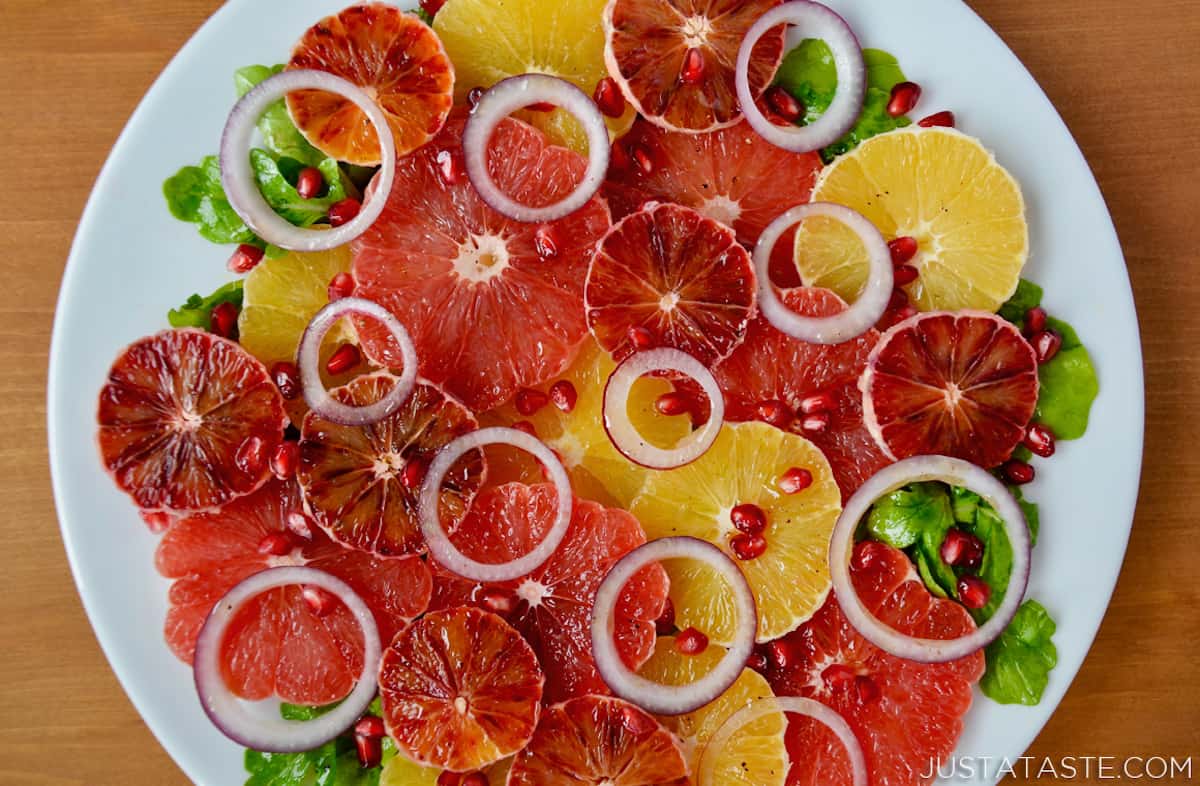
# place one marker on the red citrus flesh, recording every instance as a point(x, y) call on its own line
point(397, 58)
point(907, 716)
point(552, 606)
point(681, 277)
point(177, 410)
point(354, 478)
point(599, 740)
point(674, 59)
point(461, 689)
point(277, 645)
point(487, 313)
point(957, 384)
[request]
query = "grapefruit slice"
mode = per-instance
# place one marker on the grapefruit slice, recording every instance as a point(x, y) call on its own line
point(679, 276)
point(771, 366)
point(188, 421)
point(461, 689)
point(756, 755)
point(488, 314)
point(962, 385)
point(674, 59)
point(733, 176)
point(552, 606)
point(874, 691)
point(361, 483)
point(278, 645)
point(396, 58)
point(599, 740)
point(790, 579)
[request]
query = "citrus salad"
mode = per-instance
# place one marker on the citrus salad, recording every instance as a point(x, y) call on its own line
point(618, 392)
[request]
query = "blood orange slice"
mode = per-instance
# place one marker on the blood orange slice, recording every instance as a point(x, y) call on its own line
point(487, 312)
point(679, 276)
point(461, 689)
point(279, 644)
point(552, 606)
point(770, 366)
point(957, 384)
point(876, 693)
point(361, 483)
point(674, 59)
point(599, 740)
point(188, 421)
point(397, 58)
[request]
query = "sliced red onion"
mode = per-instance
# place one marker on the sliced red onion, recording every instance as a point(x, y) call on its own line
point(624, 435)
point(866, 310)
point(446, 553)
point(517, 92)
point(308, 358)
point(814, 21)
point(794, 705)
point(917, 470)
point(263, 731)
point(656, 697)
point(237, 174)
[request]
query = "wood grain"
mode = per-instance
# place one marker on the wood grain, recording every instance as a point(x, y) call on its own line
point(1124, 76)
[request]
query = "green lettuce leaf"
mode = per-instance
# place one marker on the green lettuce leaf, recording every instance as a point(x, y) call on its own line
point(279, 133)
point(333, 764)
point(197, 311)
point(275, 178)
point(883, 70)
point(194, 194)
point(901, 519)
point(1020, 661)
point(1069, 386)
point(1027, 296)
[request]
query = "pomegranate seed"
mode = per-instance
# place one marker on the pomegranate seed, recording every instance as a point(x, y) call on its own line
point(671, 404)
point(345, 358)
point(285, 459)
point(276, 544)
point(525, 426)
point(904, 275)
point(692, 70)
point(749, 518)
point(1035, 320)
point(868, 691)
point(413, 473)
point(298, 525)
point(245, 259)
point(563, 395)
point(784, 104)
point(431, 7)
point(641, 338)
point(665, 623)
point(529, 401)
point(904, 97)
point(973, 592)
point(637, 721)
point(319, 601)
point(370, 726)
point(223, 320)
point(962, 549)
point(815, 423)
point(473, 96)
point(780, 653)
point(450, 167)
point(795, 480)
point(344, 212)
point(475, 779)
point(498, 601)
point(757, 661)
point(251, 455)
point(903, 249)
point(898, 300)
point(1040, 440)
point(310, 183)
point(545, 241)
point(287, 379)
point(448, 778)
point(541, 106)
point(838, 675)
point(691, 642)
point(642, 158)
point(340, 286)
point(821, 402)
point(1018, 472)
point(608, 97)
point(1046, 344)
point(157, 521)
point(776, 413)
point(942, 119)
point(370, 750)
point(747, 547)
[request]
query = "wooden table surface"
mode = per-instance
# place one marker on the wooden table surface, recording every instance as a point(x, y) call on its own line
point(1124, 75)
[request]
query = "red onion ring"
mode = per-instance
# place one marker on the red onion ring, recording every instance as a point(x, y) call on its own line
point(915, 470)
point(237, 175)
point(624, 435)
point(794, 705)
point(652, 696)
point(517, 92)
point(308, 358)
point(814, 21)
point(270, 733)
point(446, 553)
point(866, 310)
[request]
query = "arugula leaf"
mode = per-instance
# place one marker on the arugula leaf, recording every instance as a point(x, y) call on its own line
point(279, 133)
point(1019, 662)
point(282, 196)
point(197, 311)
point(194, 194)
point(1027, 296)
